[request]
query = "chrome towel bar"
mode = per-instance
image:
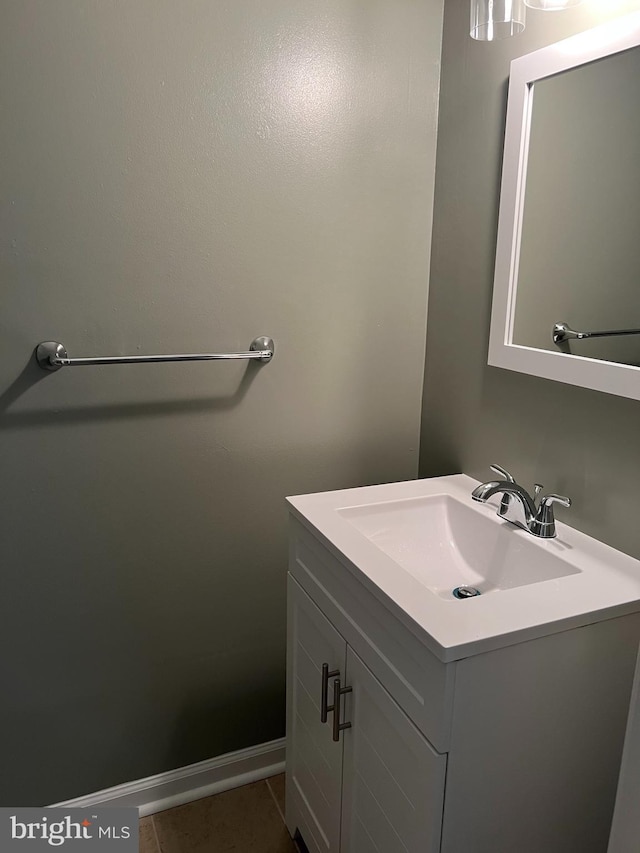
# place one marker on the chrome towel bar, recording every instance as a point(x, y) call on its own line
point(52, 355)
point(562, 333)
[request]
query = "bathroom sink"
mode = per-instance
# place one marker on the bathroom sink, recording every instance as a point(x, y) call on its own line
point(413, 543)
point(446, 544)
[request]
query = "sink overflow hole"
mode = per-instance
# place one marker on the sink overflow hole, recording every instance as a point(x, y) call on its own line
point(466, 592)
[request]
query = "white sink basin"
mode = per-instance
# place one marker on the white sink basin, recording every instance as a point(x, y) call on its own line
point(445, 544)
point(412, 543)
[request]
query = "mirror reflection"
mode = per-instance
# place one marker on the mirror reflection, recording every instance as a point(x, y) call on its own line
point(579, 259)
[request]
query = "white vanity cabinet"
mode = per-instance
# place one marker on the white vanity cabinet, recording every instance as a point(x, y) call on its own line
point(314, 769)
point(393, 779)
point(381, 784)
point(513, 749)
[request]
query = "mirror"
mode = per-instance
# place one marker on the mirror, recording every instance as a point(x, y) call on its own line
point(568, 254)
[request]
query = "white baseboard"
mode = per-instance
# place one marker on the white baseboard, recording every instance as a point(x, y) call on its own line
point(176, 787)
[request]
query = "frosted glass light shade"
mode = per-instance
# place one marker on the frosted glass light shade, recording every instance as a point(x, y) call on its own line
point(552, 5)
point(496, 19)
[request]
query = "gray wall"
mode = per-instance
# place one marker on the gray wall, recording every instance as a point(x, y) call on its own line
point(183, 177)
point(577, 442)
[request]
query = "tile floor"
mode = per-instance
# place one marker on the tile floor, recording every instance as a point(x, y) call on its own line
point(246, 820)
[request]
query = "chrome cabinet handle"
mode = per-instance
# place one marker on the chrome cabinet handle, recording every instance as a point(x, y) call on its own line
point(337, 693)
point(326, 675)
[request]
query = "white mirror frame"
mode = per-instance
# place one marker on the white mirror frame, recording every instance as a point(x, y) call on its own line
point(624, 380)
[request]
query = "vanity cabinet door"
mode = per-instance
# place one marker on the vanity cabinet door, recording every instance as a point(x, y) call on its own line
point(314, 760)
point(393, 780)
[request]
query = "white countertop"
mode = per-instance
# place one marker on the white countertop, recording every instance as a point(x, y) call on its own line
point(606, 585)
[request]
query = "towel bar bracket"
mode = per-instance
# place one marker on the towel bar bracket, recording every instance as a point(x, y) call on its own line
point(52, 355)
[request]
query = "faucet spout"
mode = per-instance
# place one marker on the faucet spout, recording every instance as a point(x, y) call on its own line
point(480, 493)
point(519, 509)
point(513, 489)
point(517, 505)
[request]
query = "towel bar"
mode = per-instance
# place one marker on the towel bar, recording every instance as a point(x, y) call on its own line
point(562, 333)
point(52, 355)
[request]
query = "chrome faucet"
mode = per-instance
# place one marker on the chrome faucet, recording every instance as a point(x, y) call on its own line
point(517, 505)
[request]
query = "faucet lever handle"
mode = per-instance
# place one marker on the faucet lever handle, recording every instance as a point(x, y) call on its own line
point(502, 472)
point(537, 488)
point(544, 524)
point(547, 500)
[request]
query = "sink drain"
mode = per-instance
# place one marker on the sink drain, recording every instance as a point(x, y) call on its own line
point(466, 592)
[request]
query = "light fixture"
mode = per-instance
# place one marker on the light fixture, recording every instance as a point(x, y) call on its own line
point(496, 19)
point(552, 5)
